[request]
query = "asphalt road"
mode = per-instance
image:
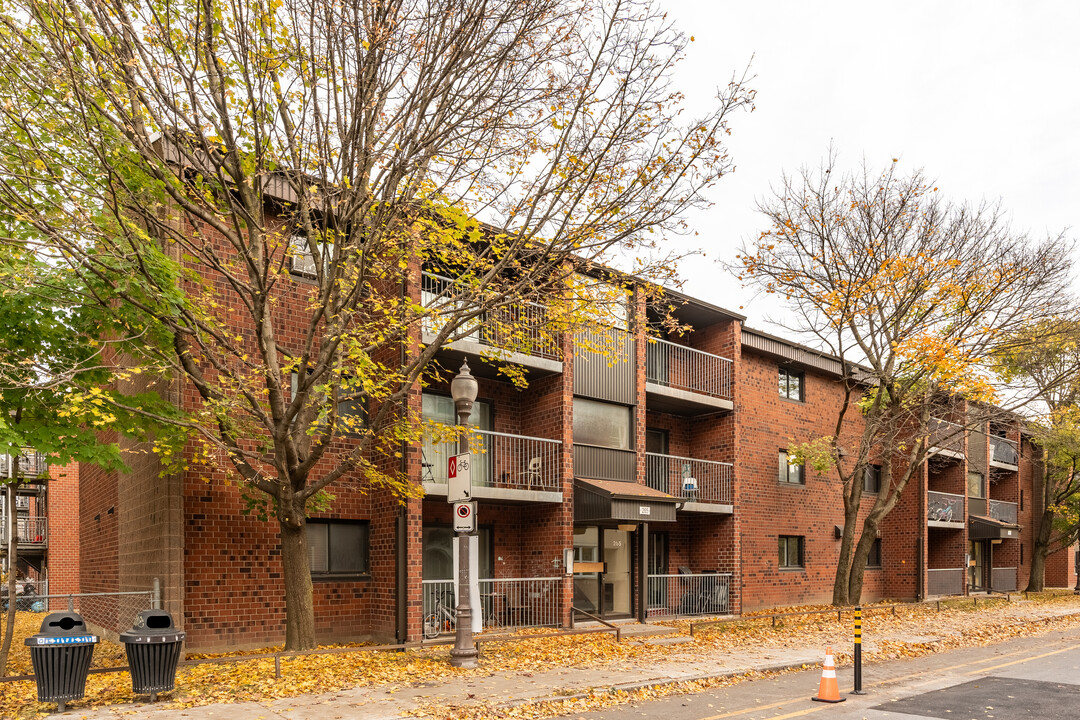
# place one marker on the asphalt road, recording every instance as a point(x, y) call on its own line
point(1024, 678)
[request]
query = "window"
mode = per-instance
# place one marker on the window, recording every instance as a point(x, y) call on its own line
point(351, 409)
point(438, 548)
point(976, 488)
point(338, 547)
point(301, 261)
point(791, 551)
point(440, 409)
point(789, 472)
point(791, 384)
point(603, 424)
point(873, 559)
point(872, 480)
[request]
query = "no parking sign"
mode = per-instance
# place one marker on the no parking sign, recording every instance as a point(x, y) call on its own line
point(465, 517)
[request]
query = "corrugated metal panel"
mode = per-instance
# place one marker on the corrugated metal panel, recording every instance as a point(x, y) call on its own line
point(791, 352)
point(976, 506)
point(976, 452)
point(590, 506)
point(606, 376)
point(605, 463)
point(642, 510)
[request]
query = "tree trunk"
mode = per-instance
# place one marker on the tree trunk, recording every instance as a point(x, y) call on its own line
point(843, 563)
point(858, 558)
point(13, 553)
point(1037, 577)
point(299, 607)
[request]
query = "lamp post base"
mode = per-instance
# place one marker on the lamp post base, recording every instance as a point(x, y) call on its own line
point(464, 657)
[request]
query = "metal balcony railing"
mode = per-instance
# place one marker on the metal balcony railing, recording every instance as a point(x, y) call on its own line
point(705, 481)
point(1003, 450)
point(686, 368)
point(944, 507)
point(32, 530)
point(689, 594)
point(1003, 511)
point(945, 435)
point(1003, 579)
point(947, 581)
point(505, 603)
point(518, 327)
point(502, 460)
point(31, 464)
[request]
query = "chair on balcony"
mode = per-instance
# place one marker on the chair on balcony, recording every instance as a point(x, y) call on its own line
point(533, 475)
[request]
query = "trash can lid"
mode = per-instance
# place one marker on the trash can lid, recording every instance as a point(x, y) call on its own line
point(63, 628)
point(152, 626)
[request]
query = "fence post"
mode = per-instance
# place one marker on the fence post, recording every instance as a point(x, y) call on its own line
point(155, 595)
point(71, 603)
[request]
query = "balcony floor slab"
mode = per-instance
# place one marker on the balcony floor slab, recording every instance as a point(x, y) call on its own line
point(514, 495)
point(662, 398)
point(711, 508)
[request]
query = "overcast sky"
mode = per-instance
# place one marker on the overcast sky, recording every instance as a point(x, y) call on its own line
point(985, 96)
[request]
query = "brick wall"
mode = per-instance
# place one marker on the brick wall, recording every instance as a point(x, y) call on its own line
point(63, 513)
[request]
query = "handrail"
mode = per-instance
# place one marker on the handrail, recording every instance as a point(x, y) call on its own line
point(686, 347)
point(688, 459)
point(618, 632)
point(938, 492)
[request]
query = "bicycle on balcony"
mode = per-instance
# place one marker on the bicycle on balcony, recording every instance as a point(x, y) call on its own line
point(940, 510)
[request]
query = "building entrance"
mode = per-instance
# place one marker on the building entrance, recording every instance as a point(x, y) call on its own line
point(602, 581)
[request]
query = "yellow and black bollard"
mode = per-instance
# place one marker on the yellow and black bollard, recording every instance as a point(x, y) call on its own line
point(858, 651)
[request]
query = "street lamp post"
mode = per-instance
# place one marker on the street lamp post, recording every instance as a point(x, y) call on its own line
point(463, 389)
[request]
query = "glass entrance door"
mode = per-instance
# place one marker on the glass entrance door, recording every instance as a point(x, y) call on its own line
point(976, 564)
point(616, 572)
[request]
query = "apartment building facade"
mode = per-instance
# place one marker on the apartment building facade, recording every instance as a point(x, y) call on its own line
point(657, 462)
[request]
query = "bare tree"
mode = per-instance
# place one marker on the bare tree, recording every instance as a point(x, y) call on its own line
point(184, 156)
point(1042, 361)
point(913, 294)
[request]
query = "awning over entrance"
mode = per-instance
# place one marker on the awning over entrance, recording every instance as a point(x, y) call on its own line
point(600, 500)
point(984, 528)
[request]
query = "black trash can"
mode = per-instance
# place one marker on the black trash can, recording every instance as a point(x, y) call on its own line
point(61, 654)
point(153, 652)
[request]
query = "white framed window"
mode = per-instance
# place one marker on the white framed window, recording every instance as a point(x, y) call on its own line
point(790, 473)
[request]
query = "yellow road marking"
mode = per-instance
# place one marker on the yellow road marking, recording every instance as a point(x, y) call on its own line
point(1024, 660)
point(769, 707)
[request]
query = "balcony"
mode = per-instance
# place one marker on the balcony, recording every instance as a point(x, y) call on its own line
point(945, 581)
point(504, 467)
point(944, 510)
point(1003, 511)
point(519, 327)
point(31, 464)
point(704, 485)
point(946, 439)
point(1004, 454)
point(505, 604)
point(689, 594)
point(686, 381)
point(33, 532)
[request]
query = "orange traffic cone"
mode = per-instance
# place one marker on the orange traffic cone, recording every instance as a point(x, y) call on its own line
point(828, 691)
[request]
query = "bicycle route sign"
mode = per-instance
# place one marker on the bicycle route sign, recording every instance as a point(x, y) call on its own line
point(459, 478)
point(465, 517)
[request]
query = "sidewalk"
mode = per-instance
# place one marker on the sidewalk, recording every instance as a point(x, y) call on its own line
point(507, 689)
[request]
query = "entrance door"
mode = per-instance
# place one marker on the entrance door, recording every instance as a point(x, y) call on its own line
point(616, 573)
point(607, 593)
point(976, 564)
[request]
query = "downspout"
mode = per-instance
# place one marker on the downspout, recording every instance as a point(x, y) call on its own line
point(401, 526)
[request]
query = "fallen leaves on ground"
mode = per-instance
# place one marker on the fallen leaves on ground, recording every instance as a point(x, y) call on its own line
point(909, 631)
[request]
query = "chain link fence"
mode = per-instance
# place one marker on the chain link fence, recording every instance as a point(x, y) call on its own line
point(106, 615)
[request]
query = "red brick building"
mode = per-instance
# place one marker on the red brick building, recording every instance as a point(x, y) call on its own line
point(660, 468)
